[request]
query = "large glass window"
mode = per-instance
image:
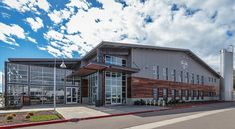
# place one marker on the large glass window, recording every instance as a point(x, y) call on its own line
point(115, 88)
point(17, 73)
point(115, 60)
point(17, 90)
point(93, 87)
point(41, 83)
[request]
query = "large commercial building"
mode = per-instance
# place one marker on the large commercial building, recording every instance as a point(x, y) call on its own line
point(113, 73)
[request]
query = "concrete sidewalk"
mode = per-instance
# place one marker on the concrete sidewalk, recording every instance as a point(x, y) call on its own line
point(84, 111)
point(92, 111)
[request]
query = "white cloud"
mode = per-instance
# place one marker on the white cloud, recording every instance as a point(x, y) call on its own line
point(43, 4)
point(203, 31)
point(7, 32)
point(59, 16)
point(36, 23)
point(27, 5)
point(32, 40)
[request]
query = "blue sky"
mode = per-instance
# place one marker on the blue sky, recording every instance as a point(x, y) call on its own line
point(69, 29)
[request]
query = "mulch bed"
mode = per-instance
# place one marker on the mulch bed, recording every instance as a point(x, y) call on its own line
point(20, 117)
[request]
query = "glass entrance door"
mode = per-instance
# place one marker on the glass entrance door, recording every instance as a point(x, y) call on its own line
point(71, 95)
point(116, 95)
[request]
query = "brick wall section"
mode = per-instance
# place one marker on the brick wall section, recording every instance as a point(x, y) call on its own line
point(143, 87)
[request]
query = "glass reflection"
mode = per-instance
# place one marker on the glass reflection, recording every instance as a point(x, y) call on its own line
point(37, 83)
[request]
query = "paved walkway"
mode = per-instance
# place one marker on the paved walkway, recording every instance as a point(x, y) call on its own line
point(83, 111)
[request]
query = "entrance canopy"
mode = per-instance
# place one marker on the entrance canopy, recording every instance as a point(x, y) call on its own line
point(95, 66)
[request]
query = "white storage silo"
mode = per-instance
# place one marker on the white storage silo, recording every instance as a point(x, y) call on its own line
point(226, 72)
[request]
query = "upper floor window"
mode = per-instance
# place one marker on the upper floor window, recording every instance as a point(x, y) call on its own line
point(181, 76)
point(202, 80)
point(209, 79)
point(198, 79)
point(173, 74)
point(115, 60)
point(156, 71)
point(187, 77)
point(165, 73)
point(192, 78)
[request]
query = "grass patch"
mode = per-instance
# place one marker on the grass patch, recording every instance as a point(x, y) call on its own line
point(39, 118)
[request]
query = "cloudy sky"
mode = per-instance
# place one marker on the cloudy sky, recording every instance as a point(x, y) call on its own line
point(49, 28)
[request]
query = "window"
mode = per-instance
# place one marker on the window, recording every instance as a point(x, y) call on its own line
point(165, 73)
point(124, 63)
point(17, 73)
point(181, 76)
point(215, 80)
point(187, 77)
point(115, 60)
point(173, 74)
point(192, 78)
point(173, 92)
point(156, 71)
point(202, 80)
point(186, 94)
point(209, 79)
point(198, 80)
point(164, 92)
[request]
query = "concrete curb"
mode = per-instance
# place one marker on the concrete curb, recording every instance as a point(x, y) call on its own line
point(97, 117)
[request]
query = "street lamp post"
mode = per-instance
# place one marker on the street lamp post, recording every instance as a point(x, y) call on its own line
point(61, 66)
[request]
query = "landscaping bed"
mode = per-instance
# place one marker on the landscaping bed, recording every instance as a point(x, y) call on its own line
point(28, 117)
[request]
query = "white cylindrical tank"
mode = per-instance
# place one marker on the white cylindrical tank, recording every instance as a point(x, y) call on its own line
point(226, 72)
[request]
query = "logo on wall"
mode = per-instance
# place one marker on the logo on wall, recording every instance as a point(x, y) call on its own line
point(184, 64)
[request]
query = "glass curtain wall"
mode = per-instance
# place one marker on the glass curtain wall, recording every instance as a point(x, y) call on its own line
point(17, 80)
point(92, 87)
point(115, 88)
point(37, 83)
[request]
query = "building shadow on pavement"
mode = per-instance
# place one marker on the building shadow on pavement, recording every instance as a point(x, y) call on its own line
point(195, 109)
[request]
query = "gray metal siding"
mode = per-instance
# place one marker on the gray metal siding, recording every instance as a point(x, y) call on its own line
point(145, 59)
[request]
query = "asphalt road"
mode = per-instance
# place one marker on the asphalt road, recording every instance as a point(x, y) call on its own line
point(213, 116)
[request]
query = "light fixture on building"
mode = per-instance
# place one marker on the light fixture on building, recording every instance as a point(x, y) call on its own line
point(63, 65)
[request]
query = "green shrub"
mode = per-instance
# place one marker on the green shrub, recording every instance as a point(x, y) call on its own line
point(27, 116)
